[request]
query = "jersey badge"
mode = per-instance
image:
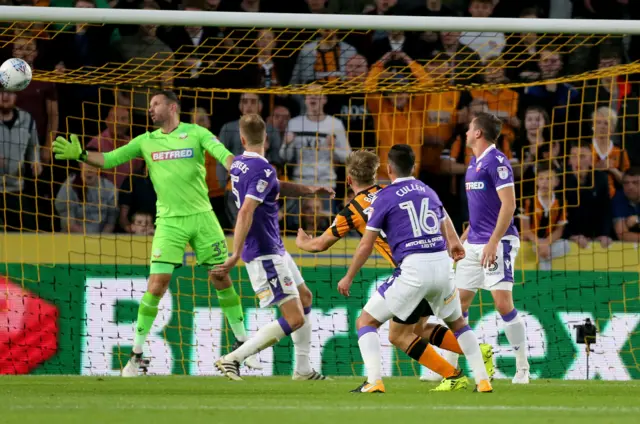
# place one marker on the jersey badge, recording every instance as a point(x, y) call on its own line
point(478, 165)
point(503, 172)
point(262, 185)
point(183, 136)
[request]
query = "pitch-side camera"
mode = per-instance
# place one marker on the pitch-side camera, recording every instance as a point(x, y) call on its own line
point(585, 333)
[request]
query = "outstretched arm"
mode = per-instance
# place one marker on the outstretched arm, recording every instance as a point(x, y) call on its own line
point(344, 222)
point(315, 244)
point(72, 150)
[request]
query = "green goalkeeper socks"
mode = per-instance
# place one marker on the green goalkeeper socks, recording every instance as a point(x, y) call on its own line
point(232, 309)
point(146, 315)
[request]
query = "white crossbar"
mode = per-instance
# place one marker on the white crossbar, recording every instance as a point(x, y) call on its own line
point(313, 21)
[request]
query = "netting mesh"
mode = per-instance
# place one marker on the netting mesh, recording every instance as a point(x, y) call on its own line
point(91, 275)
point(237, 50)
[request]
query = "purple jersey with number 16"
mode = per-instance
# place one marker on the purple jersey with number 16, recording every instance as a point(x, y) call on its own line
point(253, 177)
point(486, 175)
point(408, 214)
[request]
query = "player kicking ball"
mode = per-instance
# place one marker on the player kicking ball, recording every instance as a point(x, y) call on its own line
point(491, 241)
point(174, 154)
point(412, 335)
point(274, 275)
point(411, 217)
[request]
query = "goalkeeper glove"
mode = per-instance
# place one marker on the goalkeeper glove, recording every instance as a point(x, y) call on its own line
point(69, 150)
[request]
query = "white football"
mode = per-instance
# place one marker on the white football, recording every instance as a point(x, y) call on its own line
point(15, 75)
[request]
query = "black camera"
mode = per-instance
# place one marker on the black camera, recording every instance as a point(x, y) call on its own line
point(585, 333)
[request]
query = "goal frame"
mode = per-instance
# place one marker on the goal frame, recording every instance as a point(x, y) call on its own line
point(316, 21)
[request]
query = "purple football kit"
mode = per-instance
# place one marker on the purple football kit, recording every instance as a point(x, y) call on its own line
point(273, 274)
point(485, 177)
point(408, 213)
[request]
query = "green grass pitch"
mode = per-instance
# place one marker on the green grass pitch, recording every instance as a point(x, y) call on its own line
point(214, 400)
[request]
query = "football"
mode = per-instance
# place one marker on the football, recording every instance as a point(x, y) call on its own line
point(15, 75)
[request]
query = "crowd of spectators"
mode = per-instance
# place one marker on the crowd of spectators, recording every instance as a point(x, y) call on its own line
point(572, 145)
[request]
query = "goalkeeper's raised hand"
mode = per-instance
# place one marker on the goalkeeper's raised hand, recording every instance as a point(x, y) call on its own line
point(66, 150)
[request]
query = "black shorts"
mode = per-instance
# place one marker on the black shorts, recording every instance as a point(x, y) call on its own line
point(422, 310)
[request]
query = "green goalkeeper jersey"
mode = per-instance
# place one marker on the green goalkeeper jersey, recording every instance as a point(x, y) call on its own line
point(176, 165)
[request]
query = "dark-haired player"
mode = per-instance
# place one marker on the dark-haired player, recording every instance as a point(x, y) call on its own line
point(174, 154)
point(491, 241)
point(412, 335)
point(410, 216)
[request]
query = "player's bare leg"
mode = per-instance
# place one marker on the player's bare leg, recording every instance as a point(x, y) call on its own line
point(302, 340)
point(418, 348)
point(148, 310)
point(515, 331)
point(369, 343)
point(466, 298)
point(291, 320)
point(232, 309)
point(471, 348)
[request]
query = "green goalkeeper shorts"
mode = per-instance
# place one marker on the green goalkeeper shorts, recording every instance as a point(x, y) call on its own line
point(202, 231)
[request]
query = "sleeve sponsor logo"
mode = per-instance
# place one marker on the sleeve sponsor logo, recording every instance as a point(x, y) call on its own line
point(172, 154)
point(262, 186)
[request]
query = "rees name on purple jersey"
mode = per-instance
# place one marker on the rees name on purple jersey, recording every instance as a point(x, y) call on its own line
point(486, 175)
point(253, 177)
point(408, 214)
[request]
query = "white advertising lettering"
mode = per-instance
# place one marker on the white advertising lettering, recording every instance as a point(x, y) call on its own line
point(172, 154)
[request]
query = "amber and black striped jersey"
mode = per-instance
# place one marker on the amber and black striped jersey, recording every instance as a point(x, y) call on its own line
point(543, 220)
point(355, 215)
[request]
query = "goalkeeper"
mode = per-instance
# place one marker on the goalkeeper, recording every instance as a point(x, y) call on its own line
point(175, 155)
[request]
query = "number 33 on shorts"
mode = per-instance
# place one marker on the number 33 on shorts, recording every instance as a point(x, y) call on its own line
point(219, 248)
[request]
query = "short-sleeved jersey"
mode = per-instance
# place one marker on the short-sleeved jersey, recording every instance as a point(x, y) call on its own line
point(408, 213)
point(355, 215)
point(486, 175)
point(617, 158)
point(176, 166)
point(543, 220)
point(253, 177)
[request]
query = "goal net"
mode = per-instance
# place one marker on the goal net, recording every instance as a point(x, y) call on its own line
point(76, 260)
